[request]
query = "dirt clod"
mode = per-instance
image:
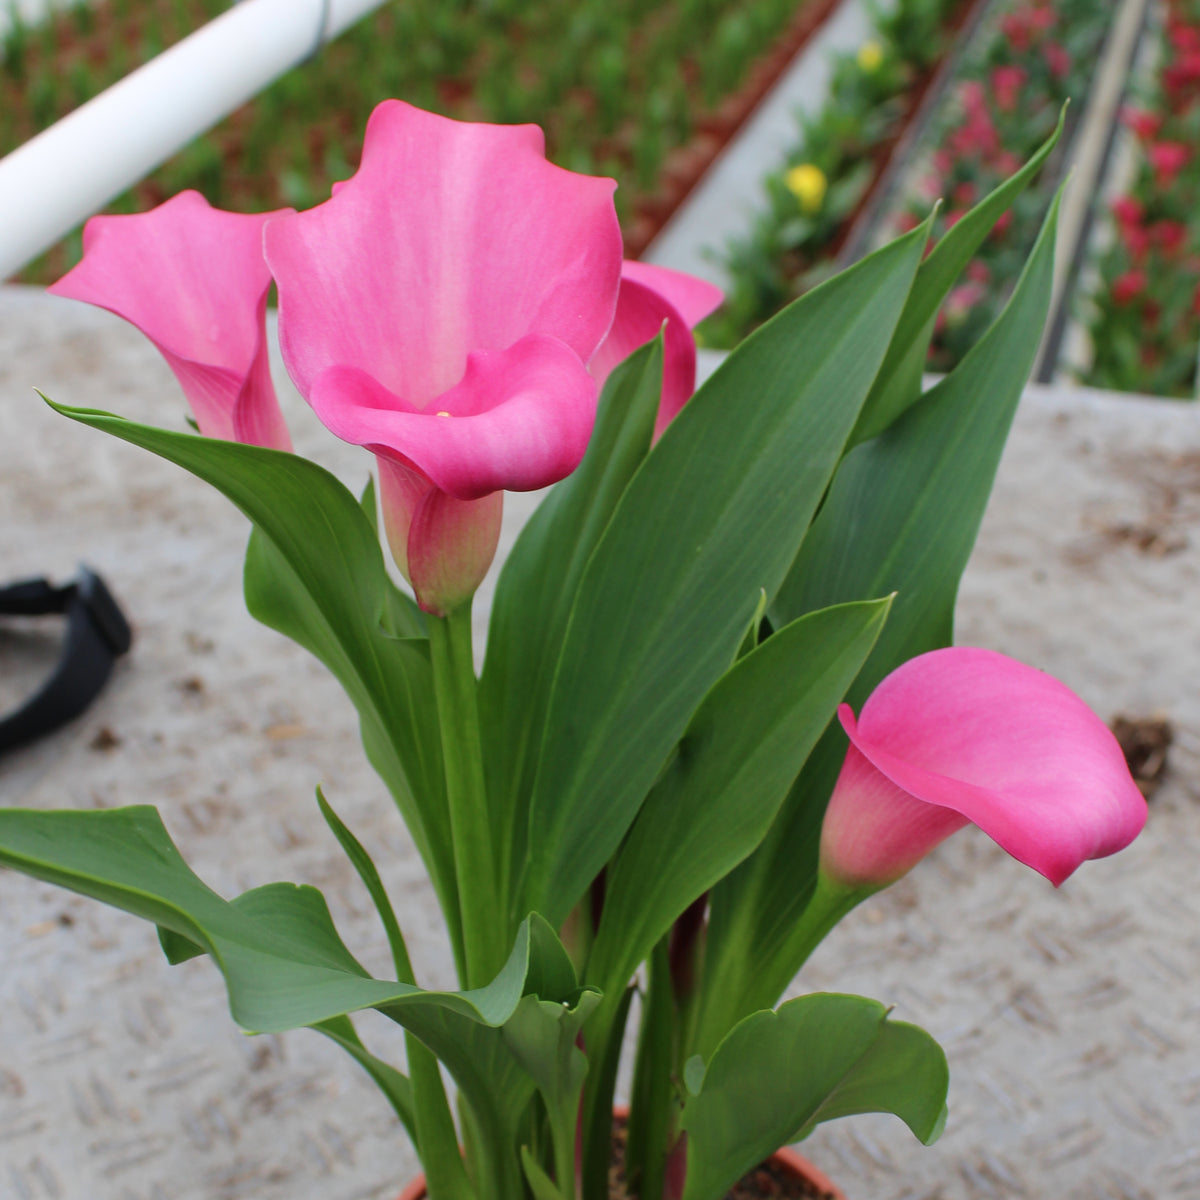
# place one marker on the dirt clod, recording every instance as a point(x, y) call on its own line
point(1144, 741)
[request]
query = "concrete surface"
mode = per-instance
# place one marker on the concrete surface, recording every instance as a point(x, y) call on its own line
point(1070, 1018)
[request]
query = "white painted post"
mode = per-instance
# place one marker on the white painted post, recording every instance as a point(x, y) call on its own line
point(74, 168)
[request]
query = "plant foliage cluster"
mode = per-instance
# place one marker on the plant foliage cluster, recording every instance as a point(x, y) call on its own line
point(1023, 63)
point(792, 242)
point(1145, 319)
point(618, 85)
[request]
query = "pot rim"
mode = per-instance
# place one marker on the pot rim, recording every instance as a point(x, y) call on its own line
point(785, 1157)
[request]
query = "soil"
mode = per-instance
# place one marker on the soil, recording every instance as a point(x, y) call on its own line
point(1144, 741)
point(768, 1181)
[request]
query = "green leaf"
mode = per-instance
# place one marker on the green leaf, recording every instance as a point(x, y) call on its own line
point(743, 748)
point(315, 572)
point(778, 1074)
point(540, 1184)
point(366, 870)
point(899, 382)
point(715, 514)
point(537, 587)
point(284, 964)
point(902, 516)
point(904, 1073)
point(547, 1049)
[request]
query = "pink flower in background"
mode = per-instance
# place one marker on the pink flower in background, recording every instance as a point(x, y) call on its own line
point(192, 278)
point(1003, 223)
point(441, 310)
point(1058, 59)
point(1017, 31)
point(650, 297)
point(967, 736)
point(1145, 125)
point(1168, 159)
point(1128, 210)
point(1170, 236)
point(965, 194)
point(1128, 287)
point(1007, 83)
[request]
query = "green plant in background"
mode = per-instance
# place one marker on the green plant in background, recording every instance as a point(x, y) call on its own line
point(789, 246)
point(624, 83)
point(1009, 93)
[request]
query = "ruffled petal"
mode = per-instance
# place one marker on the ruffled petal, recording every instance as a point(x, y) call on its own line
point(644, 306)
point(193, 279)
point(519, 420)
point(452, 238)
point(692, 298)
point(1000, 744)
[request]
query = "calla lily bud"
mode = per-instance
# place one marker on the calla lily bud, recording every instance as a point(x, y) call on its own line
point(968, 736)
point(651, 297)
point(193, 279)
point(440, 310)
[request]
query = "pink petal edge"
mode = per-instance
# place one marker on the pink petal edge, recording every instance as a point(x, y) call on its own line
point(1007, 747)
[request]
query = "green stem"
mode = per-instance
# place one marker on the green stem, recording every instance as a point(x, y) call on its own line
point(603, 1035)
point(445, 1174)
point(651, 1119)
point(455, 685)
point(734, 988)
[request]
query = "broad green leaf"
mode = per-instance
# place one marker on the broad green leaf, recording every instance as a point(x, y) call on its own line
point(714, 515)
point(315, 572)
point(778, 1074)
point(898, 384)
point(904, 1073)
point(547, 1049)
point(732, 769)
point(902, 516)
point(537, 587)
point(284, 964)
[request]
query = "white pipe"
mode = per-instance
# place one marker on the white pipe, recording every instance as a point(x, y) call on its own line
point(74, 168)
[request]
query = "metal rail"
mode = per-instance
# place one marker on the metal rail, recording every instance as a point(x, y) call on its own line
point(74, 168)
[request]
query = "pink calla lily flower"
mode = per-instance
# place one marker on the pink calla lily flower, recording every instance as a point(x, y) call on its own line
point(968, 736)
point(193, 279)
point(649, 297)
point(441, 309)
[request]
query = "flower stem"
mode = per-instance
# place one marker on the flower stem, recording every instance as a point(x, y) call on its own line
point(445, 1174)
point(485, 945)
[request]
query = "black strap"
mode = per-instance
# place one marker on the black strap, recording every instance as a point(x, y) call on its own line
point(97, 635)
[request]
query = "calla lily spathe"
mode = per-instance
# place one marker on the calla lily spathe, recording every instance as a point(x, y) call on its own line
point(968, 736)
point(453, 308)
point(653, 298)
point(192, 278)
point(440, 309)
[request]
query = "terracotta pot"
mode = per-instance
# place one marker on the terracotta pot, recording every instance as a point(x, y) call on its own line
point(786, 1158)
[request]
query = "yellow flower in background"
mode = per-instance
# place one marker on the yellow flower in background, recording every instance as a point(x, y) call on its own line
point(808, 184)
point(870, 57)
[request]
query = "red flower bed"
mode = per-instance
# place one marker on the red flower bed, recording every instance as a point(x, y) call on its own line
point(1146, 326)
point(1005, 103)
